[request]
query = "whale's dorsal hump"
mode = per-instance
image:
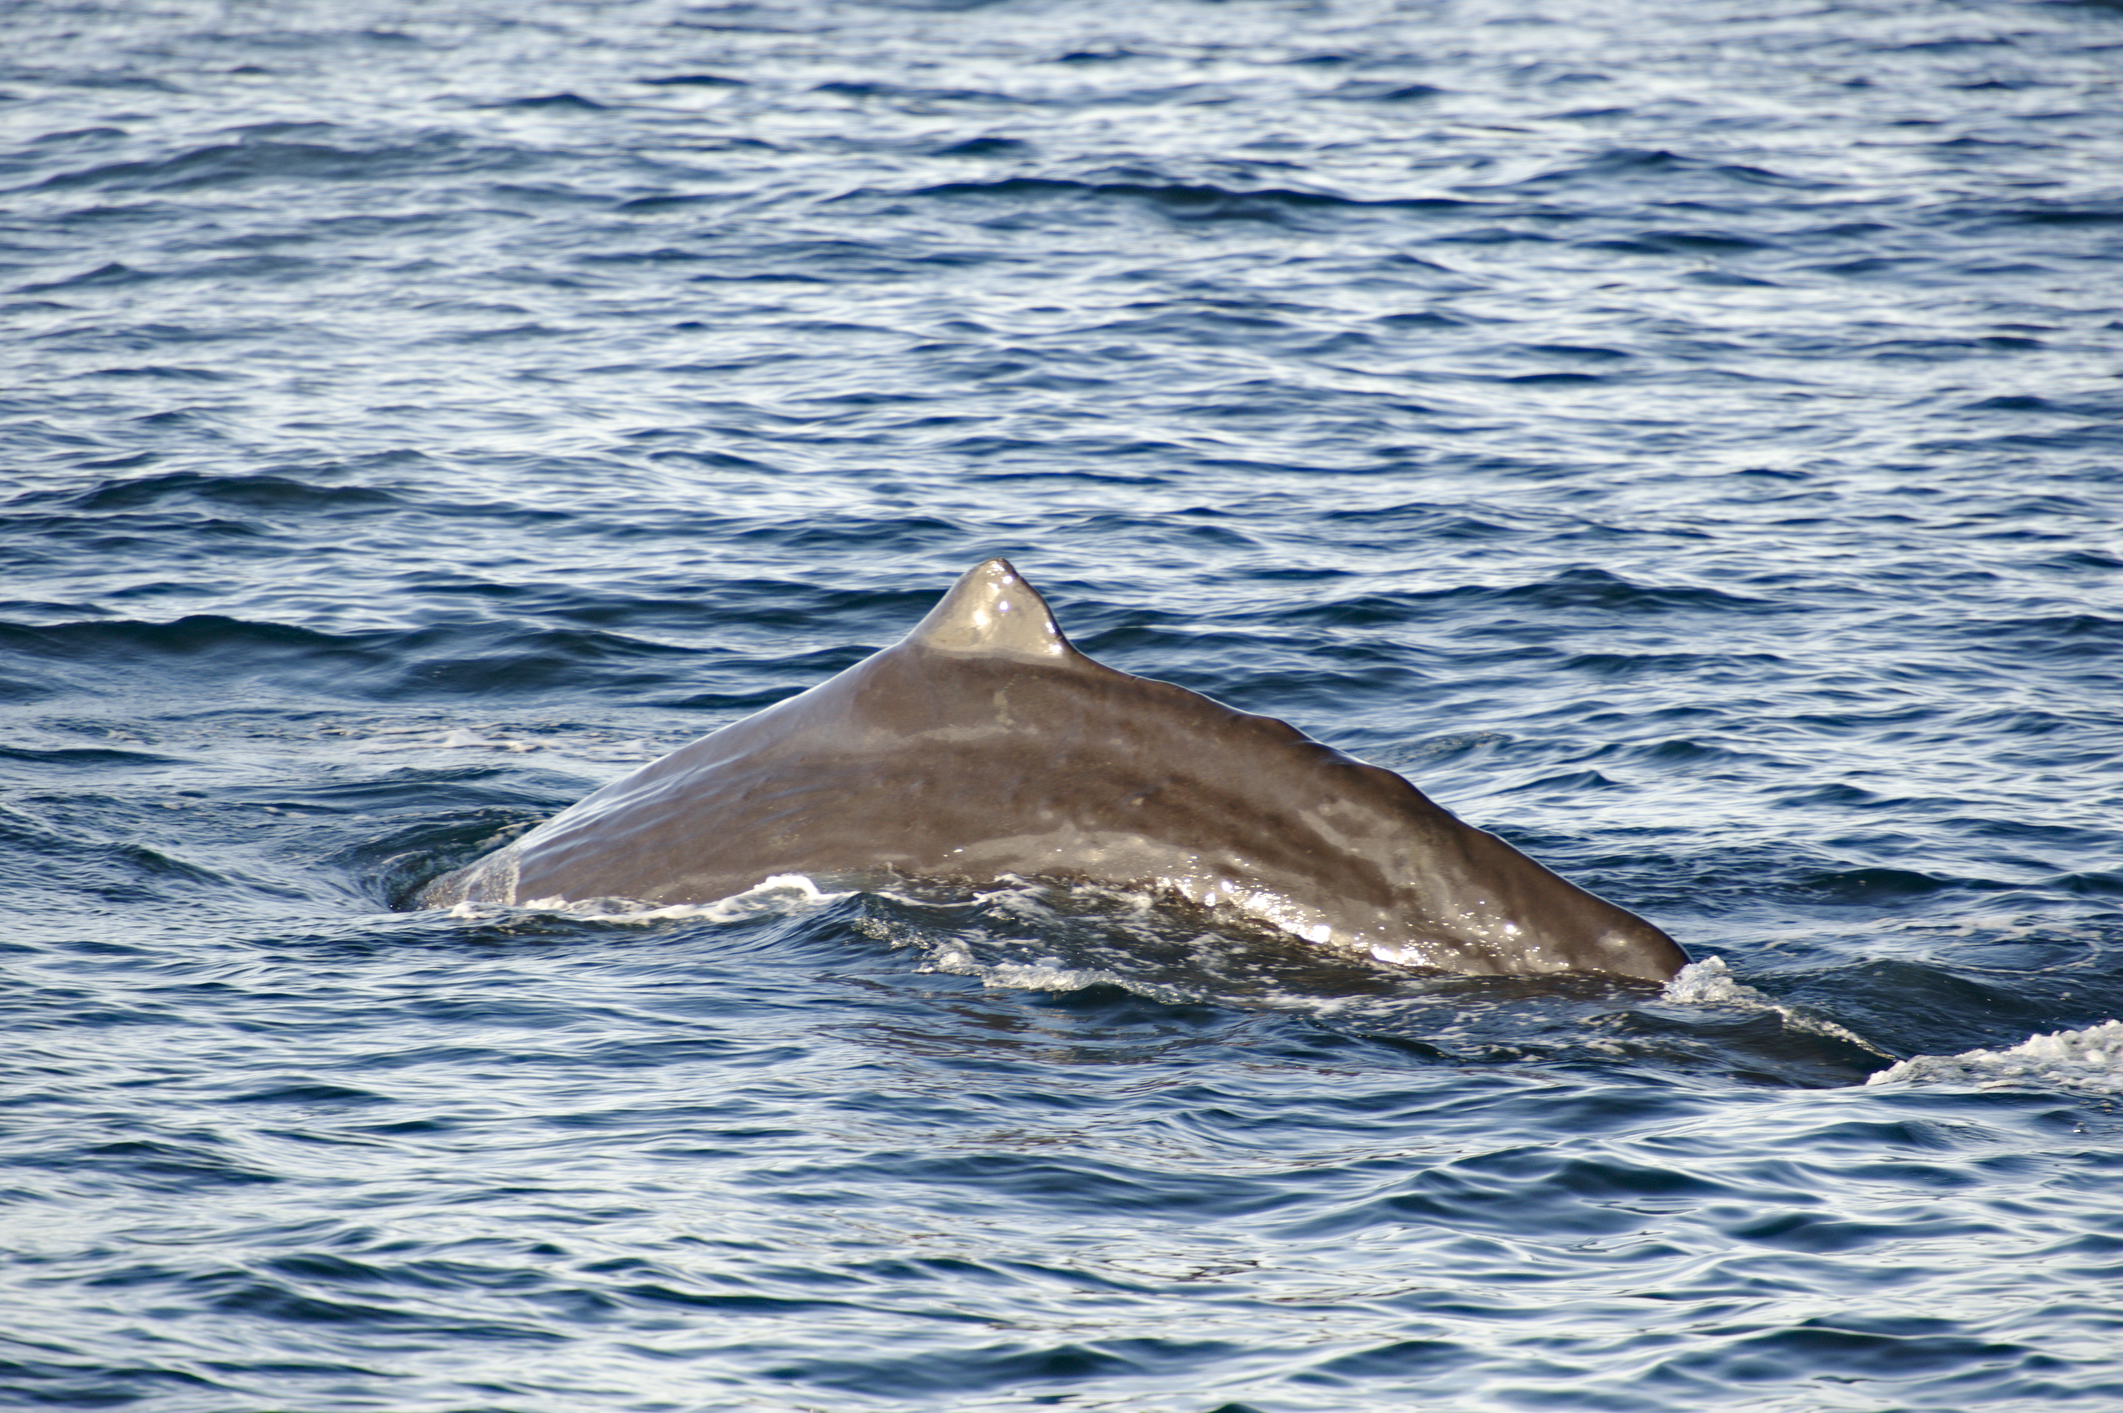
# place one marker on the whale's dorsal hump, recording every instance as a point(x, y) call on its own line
point(991, 609)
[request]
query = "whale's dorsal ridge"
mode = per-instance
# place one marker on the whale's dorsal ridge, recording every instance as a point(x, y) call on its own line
point(991, 609)
point(983, 748)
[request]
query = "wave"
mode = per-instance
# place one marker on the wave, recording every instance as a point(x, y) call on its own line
point(1176, 199)
point(261, 491)
point(2089, 1060)
point(1636, 164)
point(448, 661)
point(250, 160)
point(1581, 588)
point(1710, 982)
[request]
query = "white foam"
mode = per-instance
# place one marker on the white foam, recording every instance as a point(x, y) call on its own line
point(1046, 974)
point(574, 745)
point(456, 739)
point(1709, 982)
point(2089, 1059)
point(784, 894)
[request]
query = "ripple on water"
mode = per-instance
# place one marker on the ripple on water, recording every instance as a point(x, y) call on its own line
point(1678, 437)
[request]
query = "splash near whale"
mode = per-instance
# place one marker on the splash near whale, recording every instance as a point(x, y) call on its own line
point(984, 746)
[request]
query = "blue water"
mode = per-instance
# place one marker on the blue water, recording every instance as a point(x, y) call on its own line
point(1686, 438)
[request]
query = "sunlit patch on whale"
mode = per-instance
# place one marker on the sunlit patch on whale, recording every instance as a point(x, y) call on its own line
point(984, 747)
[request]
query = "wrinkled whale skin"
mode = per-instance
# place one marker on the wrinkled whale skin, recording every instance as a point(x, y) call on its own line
point(984, 747)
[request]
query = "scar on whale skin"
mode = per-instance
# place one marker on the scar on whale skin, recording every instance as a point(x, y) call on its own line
point(984, 746)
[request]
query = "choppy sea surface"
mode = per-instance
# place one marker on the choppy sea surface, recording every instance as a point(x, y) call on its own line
point(1680, 435)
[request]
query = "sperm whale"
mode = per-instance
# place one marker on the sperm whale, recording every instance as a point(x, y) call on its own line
point(984, 746)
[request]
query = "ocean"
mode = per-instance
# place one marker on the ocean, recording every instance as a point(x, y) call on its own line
point(1683, 438)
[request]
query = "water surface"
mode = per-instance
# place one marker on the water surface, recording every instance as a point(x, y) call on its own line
point(1681, 437)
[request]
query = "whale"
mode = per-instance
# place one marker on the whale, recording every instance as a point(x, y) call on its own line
point(985, 749)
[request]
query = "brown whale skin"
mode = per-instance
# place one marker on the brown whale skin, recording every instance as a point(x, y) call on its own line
point(984, 747)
